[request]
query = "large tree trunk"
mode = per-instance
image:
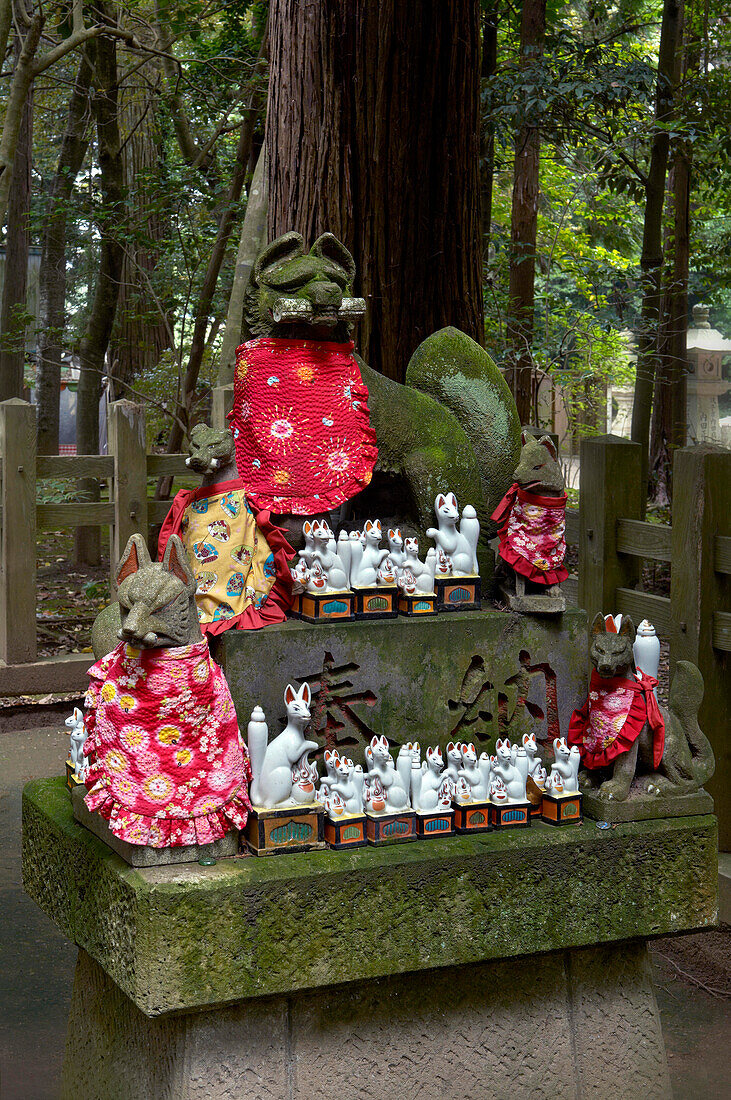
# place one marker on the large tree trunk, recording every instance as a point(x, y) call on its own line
point(143, 328)
point(373, 134)
point(52, 278)
point(13, 319)
point(524, 227)
point(652, 252)
point(95, 341)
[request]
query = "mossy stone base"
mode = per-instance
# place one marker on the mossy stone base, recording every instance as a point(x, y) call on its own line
point(187, 937)
point(562, 1026)
point(646, 807)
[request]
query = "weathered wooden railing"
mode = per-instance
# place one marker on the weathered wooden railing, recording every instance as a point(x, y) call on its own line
point(128, 469)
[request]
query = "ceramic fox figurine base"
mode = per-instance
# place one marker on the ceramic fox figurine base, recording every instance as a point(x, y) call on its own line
point(509, 805)
point(286, 815)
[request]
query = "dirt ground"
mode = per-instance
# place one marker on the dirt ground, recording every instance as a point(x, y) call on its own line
point(693, 973)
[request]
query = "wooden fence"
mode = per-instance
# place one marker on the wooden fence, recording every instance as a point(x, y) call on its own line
point(127, 469)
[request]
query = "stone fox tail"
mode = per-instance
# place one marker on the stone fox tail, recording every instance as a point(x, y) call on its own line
point(686, 696)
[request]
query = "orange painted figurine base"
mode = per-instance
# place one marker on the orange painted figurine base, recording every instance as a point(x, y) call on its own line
point(324, 607)
point(438, 823)
point(472, 817)
point(292, 829)
point(458, 593)
point(378, 602)
point(513, 815)
point(562, 809)
point(417, 605)
point(346, 831)
point(391, 828)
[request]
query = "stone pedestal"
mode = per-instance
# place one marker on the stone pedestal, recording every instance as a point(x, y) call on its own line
point(495, 965)
point(562, 1026)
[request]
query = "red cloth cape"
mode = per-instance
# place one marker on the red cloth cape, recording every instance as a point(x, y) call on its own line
point(301, 424)
point(533, 540)
point(642, 708)
point(279, 600)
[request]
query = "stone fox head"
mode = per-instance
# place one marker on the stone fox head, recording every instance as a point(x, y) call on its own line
point(157, 599)
point(538, 468)
point(210, 450)
point(320, 278)
point(611, 654)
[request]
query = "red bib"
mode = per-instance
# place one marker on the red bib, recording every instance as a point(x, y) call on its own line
point(532, 534)
point(613, 716)
point(300, 420)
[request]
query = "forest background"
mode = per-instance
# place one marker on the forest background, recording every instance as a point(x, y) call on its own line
point(546, 176)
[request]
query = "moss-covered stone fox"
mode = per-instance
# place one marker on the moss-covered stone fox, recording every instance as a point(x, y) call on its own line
point(452, 427)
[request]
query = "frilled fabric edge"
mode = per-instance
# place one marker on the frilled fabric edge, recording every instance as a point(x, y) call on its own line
point(638, 714)
point(527, 569)
point(167, 832)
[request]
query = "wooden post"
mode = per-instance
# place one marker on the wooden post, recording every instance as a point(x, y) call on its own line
point(18, 542)
point(611, 489)
point(701, 511)
point(223, 399)
point(128, 445)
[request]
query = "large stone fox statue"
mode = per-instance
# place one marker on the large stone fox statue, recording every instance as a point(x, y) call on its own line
point(452, 427)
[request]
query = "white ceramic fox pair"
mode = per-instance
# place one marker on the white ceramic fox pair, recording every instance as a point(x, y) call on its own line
point(342, 788)
point(281, 770)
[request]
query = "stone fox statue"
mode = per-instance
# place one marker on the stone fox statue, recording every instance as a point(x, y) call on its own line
point(621, 726)
point(453, 426)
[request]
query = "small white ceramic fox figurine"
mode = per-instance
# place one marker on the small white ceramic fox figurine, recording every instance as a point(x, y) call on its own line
point(336, 579)
point(395, 546)
point(472, 774)
point(566, 765)
point(380, 763)
point(498, 792)
point(531, 748)
point(454, 760)
point(272, 780)
point(366, 559)
point(414, 576)
point(427, 782)
point(75, 722)
point(300, 576)
point(346, 786)
point(460, 546)
point(512, 769)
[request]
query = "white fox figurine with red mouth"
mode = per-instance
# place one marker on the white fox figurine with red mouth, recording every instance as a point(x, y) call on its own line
point(366, 558)
point(566, 764)
point(380, 763)
point(511, 765)
point(272, 776)
point(473, 774)
point(460, 546)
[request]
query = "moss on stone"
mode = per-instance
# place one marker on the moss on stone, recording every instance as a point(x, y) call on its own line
point(458, 373)
point(190, 937)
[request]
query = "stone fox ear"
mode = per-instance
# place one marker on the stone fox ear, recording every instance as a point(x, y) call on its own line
point(597, 626)
point(547, 442)
point(135, 556)
point(175, 561)
point(524, 437)
point(330, 248)
point(286, 247)
point(628, 627)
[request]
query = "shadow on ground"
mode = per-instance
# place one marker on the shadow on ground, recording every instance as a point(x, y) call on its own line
point(692, 973)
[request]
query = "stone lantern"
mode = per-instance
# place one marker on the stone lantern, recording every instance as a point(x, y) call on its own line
point(706, 349)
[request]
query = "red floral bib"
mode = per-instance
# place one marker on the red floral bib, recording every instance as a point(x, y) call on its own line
point(167, 764)
point(532, 534)
point(301, 424)
point(613, 716)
